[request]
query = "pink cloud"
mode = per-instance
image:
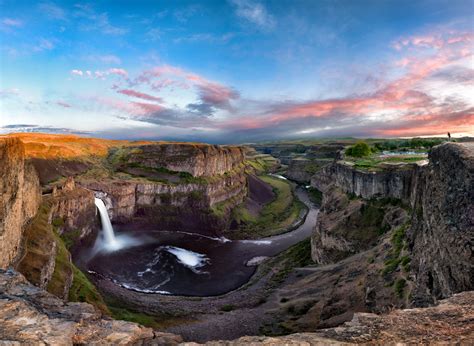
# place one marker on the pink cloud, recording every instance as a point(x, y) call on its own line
point(63, 104)
point(137, 94)
point(77, 72)
point(423, 113)
point(147, 108)
point(118, 71)
point(210, 92)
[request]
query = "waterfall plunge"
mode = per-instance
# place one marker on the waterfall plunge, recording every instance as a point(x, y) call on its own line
point(110, 242)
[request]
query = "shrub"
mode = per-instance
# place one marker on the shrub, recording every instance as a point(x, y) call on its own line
point(400, 287)
point(227, 307)
point(360, 149)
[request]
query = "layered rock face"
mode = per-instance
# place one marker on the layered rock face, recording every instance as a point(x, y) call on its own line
point(442, 232)
point(393, 181)
point(171, 205)
point(167, 199)
point(69, 212)
point(30, 315)
point(20, 197)
point(195, 159)
point(73, 210)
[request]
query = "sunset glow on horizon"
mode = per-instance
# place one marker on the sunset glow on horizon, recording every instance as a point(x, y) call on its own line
point(237, 70)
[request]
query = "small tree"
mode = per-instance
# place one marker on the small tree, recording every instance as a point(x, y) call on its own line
point(360, 149)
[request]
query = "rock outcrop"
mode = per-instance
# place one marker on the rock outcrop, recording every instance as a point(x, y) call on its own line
point(195, 159)
point(302, 169)
point(30, 315)
point(442, 232)
point(19, 200)
point(395, 181)
point(68, 213)
point(347, 226)
point(448, 323)
point(73, 210)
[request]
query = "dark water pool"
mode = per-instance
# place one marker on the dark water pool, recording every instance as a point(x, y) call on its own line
point(188, 264)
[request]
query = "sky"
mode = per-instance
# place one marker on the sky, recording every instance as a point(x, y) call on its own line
point(237, 70)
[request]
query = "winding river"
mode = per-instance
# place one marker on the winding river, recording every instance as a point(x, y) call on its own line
point(190, 264)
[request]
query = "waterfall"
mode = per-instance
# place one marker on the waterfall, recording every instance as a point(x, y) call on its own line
point(107, 229)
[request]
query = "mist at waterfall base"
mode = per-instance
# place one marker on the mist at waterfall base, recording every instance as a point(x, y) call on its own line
point(107, 241)
point(179, 263)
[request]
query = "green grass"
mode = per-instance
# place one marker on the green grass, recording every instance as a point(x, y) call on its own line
point(120, 311)
point(137, 317)
point(62, 269)
point(82, 290)
point(284, 196)
point(274, 218)
point(373, 162)
point(394, 260)
point(70, 238)
point(299, 255)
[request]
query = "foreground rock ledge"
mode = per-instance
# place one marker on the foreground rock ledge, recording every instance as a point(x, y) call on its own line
point(451, 322)
point(30, 315)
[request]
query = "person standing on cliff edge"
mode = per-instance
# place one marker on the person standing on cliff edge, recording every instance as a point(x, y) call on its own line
point(449, 137)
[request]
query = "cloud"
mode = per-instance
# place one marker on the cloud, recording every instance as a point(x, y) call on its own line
point(255, 13)
point(43, 45)
point(184, 14)
point(118, 71)
point(137, 94)
point(205, 37)
point(41, 129)
point(63, 104)
point(153, 35)
point(12, 22)
point(210, 94)
point(97, 21)
point(100, 74)
point(16, 126)
point(4, 93)
point(106, 59)
point(52, 11)
point(428, 94)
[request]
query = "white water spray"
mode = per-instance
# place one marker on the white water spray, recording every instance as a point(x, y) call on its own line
point(107, 240)
point(108, 231)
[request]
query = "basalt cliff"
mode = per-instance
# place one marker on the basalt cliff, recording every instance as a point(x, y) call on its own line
point(20, 197)
point(400, 237)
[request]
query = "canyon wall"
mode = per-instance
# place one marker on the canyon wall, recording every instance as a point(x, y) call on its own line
point(73, 210)
point(172, 206)
point(19, 200)
point(64, 219)
point(395, 181)
point(195, 159)
point(431, 227)
point(302, 169)
point(174, 185)
point(442, 232)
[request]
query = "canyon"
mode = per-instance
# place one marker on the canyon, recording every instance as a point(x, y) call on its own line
point(398, 237)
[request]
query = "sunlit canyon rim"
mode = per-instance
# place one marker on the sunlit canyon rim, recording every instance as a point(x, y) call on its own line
point(236, 172)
